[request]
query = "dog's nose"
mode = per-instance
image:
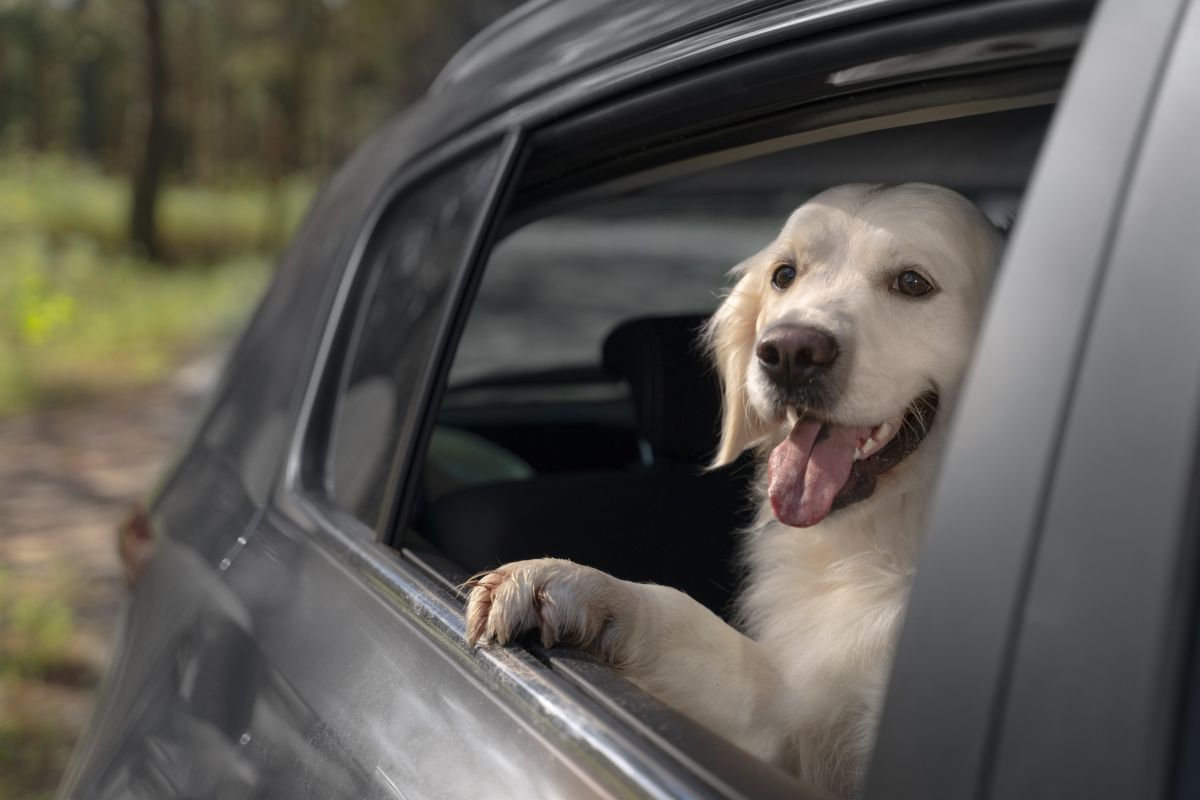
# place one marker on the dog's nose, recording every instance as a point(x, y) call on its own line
point(793, 355)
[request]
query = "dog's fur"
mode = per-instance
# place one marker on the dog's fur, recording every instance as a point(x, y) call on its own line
point(801, 683)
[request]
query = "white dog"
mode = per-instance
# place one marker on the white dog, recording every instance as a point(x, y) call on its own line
point(840, 349)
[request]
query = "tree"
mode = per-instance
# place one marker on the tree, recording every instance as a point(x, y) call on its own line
point(143, 227)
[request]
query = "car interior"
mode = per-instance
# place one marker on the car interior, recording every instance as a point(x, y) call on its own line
point(581, 410)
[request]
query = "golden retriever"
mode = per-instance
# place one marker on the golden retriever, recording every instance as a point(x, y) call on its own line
point(841, 347)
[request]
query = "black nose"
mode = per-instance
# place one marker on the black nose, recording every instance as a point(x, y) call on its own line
point(793, 355)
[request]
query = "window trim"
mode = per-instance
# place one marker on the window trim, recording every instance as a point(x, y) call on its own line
point(722, 105)
point(400, 495)
point(306, 466)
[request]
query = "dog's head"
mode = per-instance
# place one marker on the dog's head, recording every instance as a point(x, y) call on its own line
point(840, 340)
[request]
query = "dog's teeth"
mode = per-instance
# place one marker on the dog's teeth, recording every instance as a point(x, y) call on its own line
point(873, 443)
point(866, 449)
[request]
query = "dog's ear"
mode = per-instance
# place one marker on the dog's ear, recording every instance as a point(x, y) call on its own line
point(729, 336)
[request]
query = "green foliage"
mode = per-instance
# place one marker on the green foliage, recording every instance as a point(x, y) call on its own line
point(61, 200)
point(75, 323)
point(33, 754)
point(36, 629)
point(80, 317)
point(258, 88)
point(35, 309)
point(38, 660)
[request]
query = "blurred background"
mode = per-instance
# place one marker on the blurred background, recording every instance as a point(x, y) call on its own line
point(154, 157)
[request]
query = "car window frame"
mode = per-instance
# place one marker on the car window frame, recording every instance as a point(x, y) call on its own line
point(306, 472)
point(511, 205)
point(302, 499)
point(406, 445)
point(545, 145)
point(633, 740)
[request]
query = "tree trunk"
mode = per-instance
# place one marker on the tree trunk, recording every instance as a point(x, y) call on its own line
point(143, 225)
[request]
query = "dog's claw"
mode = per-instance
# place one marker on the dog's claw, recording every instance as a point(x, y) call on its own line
point(556, 597)
point(479, 606)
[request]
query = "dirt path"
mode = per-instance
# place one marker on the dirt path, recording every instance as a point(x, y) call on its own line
point(67, 477)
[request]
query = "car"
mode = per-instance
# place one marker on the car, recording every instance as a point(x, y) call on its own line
point(480, 346)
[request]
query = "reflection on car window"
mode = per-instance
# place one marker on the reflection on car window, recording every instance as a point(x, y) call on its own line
point(424, 239)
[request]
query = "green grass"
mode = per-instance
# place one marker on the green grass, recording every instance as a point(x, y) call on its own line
point(60, 199)
point(33, 755)
point(37, 630)
point(39, 662)
point(80, 315)
point(75, 323)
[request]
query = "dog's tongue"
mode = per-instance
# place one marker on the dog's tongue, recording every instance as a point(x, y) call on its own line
point(809, 468)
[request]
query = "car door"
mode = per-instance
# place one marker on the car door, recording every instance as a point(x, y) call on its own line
point(383, 698)
point(1101, 659)
point(1050, 620)
point(358, 707)
point(327, 665)
point(255, 660)
point(176, 697)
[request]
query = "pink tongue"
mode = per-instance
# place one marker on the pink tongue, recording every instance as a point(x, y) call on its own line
point(806, 475)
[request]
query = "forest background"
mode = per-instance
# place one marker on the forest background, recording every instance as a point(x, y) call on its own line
point(154, 158)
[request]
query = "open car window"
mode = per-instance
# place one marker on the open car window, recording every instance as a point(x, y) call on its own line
point(581, 410)
point(575, 410)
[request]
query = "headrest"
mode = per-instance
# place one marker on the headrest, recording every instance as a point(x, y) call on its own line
point(675, 388)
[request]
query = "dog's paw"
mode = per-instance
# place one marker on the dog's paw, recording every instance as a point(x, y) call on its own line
point(567, 602)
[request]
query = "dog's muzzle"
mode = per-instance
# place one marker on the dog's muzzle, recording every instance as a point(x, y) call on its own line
point(797, 359)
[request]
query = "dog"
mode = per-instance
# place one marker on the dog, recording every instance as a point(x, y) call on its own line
point(841, 348)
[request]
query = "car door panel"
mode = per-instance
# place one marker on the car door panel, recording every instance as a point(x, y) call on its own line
point(153, 734)
point(1096, 686)
point(953, 654)
point(385, 696)
point(175, 705)
point(376, 689)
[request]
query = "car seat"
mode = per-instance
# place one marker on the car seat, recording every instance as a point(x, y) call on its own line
point(665, 519)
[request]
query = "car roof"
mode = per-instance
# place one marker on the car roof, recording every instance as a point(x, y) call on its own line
point(550, 56)
point(546, 41)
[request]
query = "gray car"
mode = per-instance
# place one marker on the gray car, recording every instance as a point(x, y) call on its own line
point(480, 347)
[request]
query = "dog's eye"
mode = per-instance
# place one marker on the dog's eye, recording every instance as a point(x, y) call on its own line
point(783, 276)
point(912, 283)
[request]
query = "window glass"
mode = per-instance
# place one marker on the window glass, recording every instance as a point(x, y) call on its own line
point(418, 251)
